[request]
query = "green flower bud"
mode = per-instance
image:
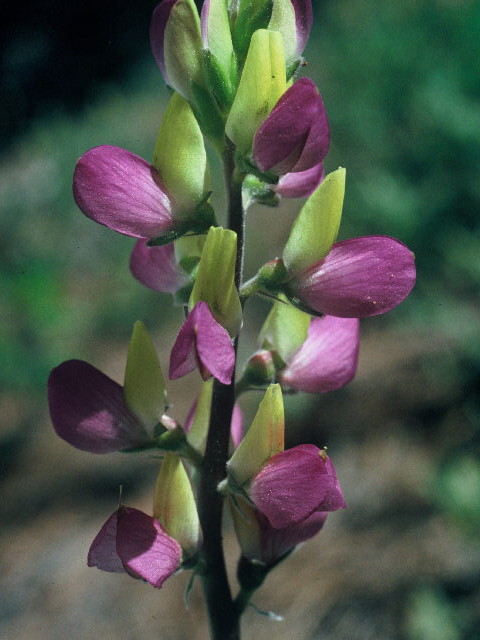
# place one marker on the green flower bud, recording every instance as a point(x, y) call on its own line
point(180, 156)
point(144, 388)
point(316, 227)
point(262, 83)
point(174, 504)
point(215, 282)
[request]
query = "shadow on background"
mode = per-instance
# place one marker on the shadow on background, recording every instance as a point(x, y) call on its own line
point(400, 83)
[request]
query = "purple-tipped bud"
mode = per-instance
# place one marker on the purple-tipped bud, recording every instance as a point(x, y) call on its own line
point(295, 137)
point(295, 483)
point(260, 368)
point(328, 358)
point(134, 542)
point(359, 277)
point(88, 410)
point(204, 343)
point(123, 192)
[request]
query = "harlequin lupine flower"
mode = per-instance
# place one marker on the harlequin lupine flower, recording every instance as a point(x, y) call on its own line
point(132, 541)
point(261, 542)
point(202, 343)
point(293, 484)
point(286, 486)
point(328, 358)
point(157, 267)
point(358, 278)
point(94, 413)
point(295, 136)
point(88, 410)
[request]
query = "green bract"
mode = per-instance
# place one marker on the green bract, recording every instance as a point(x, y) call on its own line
point(174, 504)
point(262, 83)
point(284, 330)
point(180, 156)
point(215, 282)
point(316, 226)
point(263, 440)
point(144, 387)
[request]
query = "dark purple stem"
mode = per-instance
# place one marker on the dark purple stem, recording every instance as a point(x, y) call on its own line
point(222, 611)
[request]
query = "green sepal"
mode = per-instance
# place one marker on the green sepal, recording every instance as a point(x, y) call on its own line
point(316, 227)
point(263, 440)
point(272, 275)
point(252, 15)
point(180, 156)
point(144, 387)
point(174, 504)
point(262, 83)
point(215, 281)
point(218, 80)
point(283, 20)
point(170, 236)
point(254, 190)
point(284, 330)
point(197, 435)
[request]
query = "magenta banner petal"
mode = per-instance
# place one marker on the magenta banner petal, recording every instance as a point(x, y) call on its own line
point(88, 411)
point(303, 21)
point(145, 548)
point(158, 23)
point(328, 358)
point(103, 550)
point(275, 543)
point(202, 341)
point(122, 191)
point(358, 278)
point(300, 184)
point(293, 484)
point(157, 267)
point(295, 136)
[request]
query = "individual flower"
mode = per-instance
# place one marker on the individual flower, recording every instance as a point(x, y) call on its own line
point(202, 343)
point(328, 358)
point(122, 191)
point(88, 410)
point(295, 137)
point(358, 278)
point(293, 18)
point(293, 484)
point(133, 542)
point(93, 413)
point(262, 543)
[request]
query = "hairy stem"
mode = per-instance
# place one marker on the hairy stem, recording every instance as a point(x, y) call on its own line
point(223, 613)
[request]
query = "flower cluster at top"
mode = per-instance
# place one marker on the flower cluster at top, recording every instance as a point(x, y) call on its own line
point(233, 72)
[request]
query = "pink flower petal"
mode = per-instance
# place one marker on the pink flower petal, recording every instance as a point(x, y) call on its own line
point(88, 410)
point(295, 136)
point(303, 22)
point(295, 483)
point(157, 268)
point(202, 341)
point(300, 184)
point(103, 550)
point(158, 24)
point(328, 358)
point(275, 543)
point(358, 278)
point(123, 192)
point(145, 548)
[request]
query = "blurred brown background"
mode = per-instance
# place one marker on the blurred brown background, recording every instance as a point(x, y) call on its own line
point(401, 87)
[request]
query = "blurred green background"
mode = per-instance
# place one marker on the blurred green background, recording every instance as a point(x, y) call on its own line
point(401, 84)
